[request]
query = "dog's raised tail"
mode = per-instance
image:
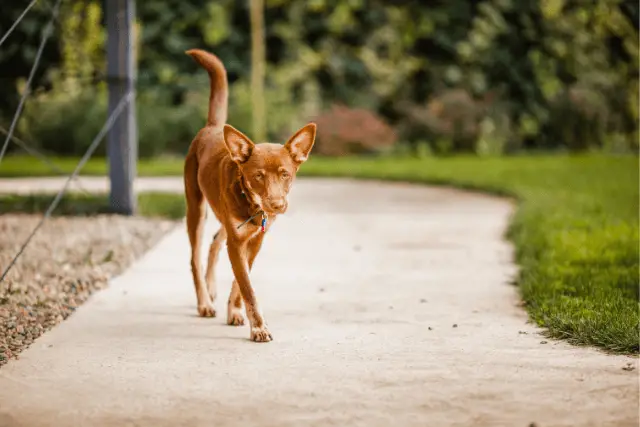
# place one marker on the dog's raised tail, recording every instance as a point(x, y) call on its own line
point(219, 96)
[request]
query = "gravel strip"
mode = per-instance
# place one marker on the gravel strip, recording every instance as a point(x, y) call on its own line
point(68, 260)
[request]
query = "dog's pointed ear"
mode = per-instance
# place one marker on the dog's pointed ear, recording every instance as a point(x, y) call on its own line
point(238, 144)
point(301, 143)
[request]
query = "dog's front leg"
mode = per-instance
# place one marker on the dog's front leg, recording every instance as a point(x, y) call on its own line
point(238, 255)
point(234, 310)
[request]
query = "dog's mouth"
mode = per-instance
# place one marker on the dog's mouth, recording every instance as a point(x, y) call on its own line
point(275, 210)
point(272, 212)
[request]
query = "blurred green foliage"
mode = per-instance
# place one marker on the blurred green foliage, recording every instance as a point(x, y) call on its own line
point(486, 77)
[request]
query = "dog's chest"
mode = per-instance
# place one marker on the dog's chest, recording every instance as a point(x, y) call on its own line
point(252, 229)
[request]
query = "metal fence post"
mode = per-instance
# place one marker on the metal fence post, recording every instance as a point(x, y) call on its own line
point(122, 146)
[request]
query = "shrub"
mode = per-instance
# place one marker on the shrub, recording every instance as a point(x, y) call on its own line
point(343, 130)
point(66, 123)
point(450, 121)
point(66, 119)
point(585, 117)
point(166, 128)
point(454, 121)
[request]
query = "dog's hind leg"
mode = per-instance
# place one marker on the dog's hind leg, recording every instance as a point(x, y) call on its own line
point(214, 250)
point(234, 307)
point(196, 215)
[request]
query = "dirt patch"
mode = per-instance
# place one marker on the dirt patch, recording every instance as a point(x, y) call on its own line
point(68, 260)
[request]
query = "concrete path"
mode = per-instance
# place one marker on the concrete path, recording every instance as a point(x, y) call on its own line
point(389, 305)
point(87, 183)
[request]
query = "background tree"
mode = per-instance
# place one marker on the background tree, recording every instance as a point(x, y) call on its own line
point(488, 77)
point(257, 69)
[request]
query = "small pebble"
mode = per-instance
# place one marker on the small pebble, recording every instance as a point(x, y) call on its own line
point(543, 342)
point(455, 325)
point(422, 300)
point(430, 328)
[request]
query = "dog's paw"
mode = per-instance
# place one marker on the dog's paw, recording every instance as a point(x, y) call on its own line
point(206, 310)
point(261, 334)
point(234, 318)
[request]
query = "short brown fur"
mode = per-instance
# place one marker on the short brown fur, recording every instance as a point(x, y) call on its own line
point(237, 178)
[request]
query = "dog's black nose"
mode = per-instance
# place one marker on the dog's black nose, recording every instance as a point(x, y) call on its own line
point(278, 204)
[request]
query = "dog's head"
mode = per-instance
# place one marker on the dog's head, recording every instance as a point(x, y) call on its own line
point(269, 169)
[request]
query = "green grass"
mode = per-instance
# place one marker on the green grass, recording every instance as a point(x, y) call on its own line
point(575, 229)
point(150, 204)
point(27, 166)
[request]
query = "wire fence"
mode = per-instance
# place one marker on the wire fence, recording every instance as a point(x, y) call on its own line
point(45, 36)
point(30, 149)
point(9, 134)
point(15, 24)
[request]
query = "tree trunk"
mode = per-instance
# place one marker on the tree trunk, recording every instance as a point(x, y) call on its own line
point(257, 69)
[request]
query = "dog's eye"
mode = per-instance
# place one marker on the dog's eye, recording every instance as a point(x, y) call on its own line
point(285, 175)
point(258, 176)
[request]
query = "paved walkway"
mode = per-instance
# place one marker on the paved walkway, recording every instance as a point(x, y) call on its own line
point(389, 305)
point(87, 183)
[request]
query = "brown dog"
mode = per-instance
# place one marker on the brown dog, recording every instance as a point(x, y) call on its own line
point(246, 185)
